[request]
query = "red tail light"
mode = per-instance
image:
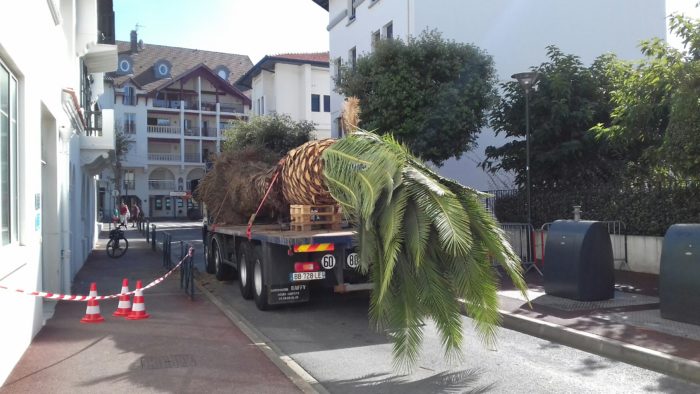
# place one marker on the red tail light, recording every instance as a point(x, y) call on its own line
point(306, 267)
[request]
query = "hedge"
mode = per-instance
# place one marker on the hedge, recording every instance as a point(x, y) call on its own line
point(647, 210)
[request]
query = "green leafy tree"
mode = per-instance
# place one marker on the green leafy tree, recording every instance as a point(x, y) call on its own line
point(569, 99)
point(430, 93)
point(275, 133)
point(426, 242)
point(655, 116)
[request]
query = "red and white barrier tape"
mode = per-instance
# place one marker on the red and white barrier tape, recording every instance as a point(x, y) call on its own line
point(69, 297)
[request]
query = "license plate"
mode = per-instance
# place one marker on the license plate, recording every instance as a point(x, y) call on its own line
point(299, 276)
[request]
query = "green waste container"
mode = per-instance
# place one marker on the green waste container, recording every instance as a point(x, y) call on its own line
point(679, 275)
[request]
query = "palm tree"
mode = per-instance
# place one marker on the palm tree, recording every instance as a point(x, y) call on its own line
point(122, 144)
point(427, 243)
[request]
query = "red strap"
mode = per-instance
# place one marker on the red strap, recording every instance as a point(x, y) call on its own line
point(252, 218)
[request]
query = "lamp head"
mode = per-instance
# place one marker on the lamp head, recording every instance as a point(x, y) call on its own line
point(527, 79)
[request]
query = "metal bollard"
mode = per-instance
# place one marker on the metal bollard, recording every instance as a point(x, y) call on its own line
point(153, 237)
point(168, 260)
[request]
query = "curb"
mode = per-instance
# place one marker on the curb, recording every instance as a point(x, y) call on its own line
point(607, 347)
point(302, 379)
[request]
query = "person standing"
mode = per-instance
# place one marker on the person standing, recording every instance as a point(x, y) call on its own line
point(135, 215)
point(123, 214)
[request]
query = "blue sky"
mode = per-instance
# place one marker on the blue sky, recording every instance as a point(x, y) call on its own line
point(248, 27)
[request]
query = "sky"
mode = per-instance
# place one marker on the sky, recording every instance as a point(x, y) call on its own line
point(248, 27)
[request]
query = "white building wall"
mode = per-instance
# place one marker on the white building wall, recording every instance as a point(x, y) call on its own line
point(54, 232)
point(514, 32)
point(289, 89)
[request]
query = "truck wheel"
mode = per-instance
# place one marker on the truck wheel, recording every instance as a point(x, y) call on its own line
point(209, 265)
point(245, 271)
point(260, 284)
point(223, 271)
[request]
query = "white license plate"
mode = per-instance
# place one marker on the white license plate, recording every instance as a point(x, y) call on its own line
point(299, 276)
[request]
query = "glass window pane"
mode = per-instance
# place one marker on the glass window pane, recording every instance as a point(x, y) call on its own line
point(14, 230)
point(5, 155)
point(315, 103)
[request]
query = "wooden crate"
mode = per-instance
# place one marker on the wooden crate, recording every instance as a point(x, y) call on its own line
point(314, 217)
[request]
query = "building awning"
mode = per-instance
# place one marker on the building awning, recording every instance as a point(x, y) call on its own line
point(101, 58)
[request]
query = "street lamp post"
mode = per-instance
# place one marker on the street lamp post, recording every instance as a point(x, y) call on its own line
point(527, 80)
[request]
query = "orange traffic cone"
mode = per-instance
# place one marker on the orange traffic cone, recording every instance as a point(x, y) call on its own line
point(138, 310)
point(124, 307)
point(92, 314)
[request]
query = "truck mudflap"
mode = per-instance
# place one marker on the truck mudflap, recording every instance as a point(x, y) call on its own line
point(288, 293)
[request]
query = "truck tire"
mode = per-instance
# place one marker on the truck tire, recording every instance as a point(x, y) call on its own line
point(260, 283)
point(245, 270)
point(223, 271)
point(209, 265)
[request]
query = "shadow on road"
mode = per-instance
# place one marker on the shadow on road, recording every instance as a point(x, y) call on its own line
point(445, 382)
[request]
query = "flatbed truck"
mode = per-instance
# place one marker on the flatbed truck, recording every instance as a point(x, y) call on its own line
point(277, 266)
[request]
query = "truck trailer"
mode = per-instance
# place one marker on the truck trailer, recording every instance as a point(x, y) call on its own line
point(278, 266)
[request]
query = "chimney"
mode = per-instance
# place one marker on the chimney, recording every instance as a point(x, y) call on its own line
point(134, 39)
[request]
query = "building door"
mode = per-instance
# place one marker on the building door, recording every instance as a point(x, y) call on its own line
point(46, 206)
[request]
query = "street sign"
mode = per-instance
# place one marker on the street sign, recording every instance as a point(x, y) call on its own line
point(178, 194)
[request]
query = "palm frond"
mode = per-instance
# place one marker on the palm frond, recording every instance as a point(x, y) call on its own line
point(426, 242)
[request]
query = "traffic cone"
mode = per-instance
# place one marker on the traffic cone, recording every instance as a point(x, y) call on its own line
point(124, 307)
point(138, 310)
point(92, 314)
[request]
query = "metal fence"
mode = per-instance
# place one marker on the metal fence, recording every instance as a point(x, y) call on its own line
point(521, 237)
point(187, 267)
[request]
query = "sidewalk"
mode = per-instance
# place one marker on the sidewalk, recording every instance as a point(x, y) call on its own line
point(628, 328)
point(185, 346)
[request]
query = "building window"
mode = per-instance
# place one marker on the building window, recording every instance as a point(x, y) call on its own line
point(129, 123)
point(389, 31)
point(315, 103)
point(338, 65)
point(326, 103)
point(8, 155)
point(375, 38)
point(339, 126)
point(129, 96)
point(129, 181)
point(352, 57)
point(158, 202)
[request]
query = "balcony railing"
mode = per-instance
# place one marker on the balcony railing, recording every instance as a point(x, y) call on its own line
point(94, 123)
point(193, 131)
point(193, 158)
point(234, 108)
point(164, 156)
point(161, 184)
point(173, 130)
point(194, 105)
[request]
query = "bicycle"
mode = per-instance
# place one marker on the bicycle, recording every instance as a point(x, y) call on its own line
point(118, 244)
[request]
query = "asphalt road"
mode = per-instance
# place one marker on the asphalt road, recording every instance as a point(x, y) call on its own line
point(331, 338)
